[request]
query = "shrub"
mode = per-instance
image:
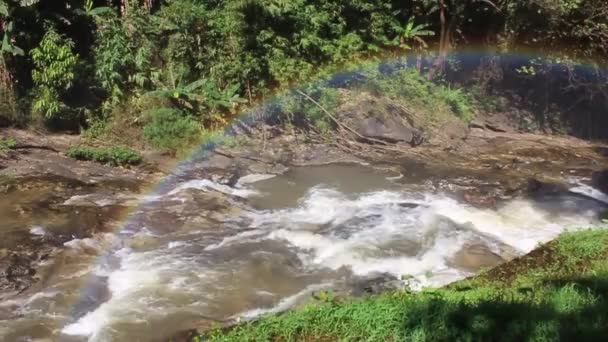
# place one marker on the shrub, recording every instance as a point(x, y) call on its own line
point(53, 74)
point(170, 129)
point(426, 96)
point(459, 101)
point(116, 155)
point(298, 105)
point(97, 128)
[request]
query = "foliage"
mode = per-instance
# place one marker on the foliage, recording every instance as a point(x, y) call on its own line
point(540, 300)
point(300, 108)
point(459, 101)
point(113, 57)
point(96, 129)
point(171, 129)
point(412, 33)
point(8, 40)
point(201, 95)
point(54, 73)
point(205, 57)
point(551, 24)
point(433, 99)
point(116, 155)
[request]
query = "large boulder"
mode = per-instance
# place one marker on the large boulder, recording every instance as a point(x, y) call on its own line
point(386, 129)
point(380, 119)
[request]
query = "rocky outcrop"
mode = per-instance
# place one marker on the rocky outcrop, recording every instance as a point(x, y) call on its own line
point(382, 120)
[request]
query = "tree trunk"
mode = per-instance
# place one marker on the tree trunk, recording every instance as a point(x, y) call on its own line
point(8, 100)
point(124, 7)
point(447, 25)
point(443, 33)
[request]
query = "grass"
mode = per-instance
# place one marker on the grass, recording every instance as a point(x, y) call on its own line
point(557, 292)
point(115, 155)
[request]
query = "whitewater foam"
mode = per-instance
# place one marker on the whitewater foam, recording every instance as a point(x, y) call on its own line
point(587, 190)
point(285, 303)
point(397, 233)
point(253, 178)
point(38, 230)
point(206, 184)
point(354, 232)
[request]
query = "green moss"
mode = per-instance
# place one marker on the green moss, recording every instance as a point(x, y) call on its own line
point(116, 155)
point(543, 303)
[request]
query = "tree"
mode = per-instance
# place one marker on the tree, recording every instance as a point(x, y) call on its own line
point(54, 72)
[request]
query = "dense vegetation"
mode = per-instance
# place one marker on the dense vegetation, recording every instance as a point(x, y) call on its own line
point(126, 67)
point(558, 292)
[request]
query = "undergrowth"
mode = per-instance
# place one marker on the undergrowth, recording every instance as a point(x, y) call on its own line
point(116, 155)
point(559, 295)
point(171, 129)
point(433, 99)
point(298, 107)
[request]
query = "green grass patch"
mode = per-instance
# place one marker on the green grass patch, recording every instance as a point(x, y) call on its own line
point(116, 155)
point(533, 298)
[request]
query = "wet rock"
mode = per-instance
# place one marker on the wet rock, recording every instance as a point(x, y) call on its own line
point(538, 188)
point(600, 180)
point(16, 272)
point(375, 284)
point(218, 161)
point(479, 198)
point(408, 205)
point(275, 169)
point(234, 178)
point(476, 256)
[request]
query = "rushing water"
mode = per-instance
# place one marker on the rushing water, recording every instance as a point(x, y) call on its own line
point(281, 239)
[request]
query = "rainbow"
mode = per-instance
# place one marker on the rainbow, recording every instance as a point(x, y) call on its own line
point(329, 76)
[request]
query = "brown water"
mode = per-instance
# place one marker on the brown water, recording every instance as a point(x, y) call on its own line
point(205, 252)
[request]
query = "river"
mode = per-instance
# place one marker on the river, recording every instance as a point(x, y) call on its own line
point(199, 251)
